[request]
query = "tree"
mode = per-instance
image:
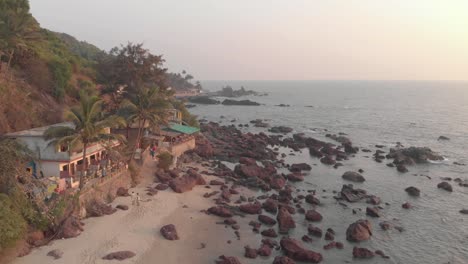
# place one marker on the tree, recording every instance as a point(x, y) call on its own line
point(148, 106)
point(130, 68)
point(17, 27)
point(89, 126)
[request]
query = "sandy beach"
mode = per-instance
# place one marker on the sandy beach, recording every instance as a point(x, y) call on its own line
point(137, 230)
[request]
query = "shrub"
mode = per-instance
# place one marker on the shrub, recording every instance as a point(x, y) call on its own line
point(12, 224)
point(165, 160)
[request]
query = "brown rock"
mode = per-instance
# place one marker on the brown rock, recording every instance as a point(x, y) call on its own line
point(119, 255)
point(121, 191)
point(312, 199)
point(186, 182)
point(169, 232)
point(445, 186)
point(313, 216)
point(227, 260)
point(250, 252)
point(56, 253)
point(270, 206)
point(315, 231)
point(360, 230)
point(406, 205)
point(161, 187)
point(283, 260)
point(362, 253)
point(372, 212)
point(122, 207)
point(269, 233)
point(251, 208)
point(71, 227)
point(294, 250)
point(264, 250)
point(266, 220)
point(220, 211)
point(285, 221)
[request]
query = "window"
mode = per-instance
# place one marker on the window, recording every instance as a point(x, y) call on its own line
point(63, 148)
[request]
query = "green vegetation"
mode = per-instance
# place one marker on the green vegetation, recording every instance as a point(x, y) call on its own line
point(182, 81)
point(187, 118)
point(165, 160)
point(12, 224)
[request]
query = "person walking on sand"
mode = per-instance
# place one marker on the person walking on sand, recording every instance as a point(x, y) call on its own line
point(138, 199)
point(132, 195)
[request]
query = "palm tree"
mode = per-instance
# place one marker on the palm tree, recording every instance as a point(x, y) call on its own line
point(89, 126)
point(148, 106)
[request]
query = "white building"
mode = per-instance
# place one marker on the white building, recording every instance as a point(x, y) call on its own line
point(58, 161)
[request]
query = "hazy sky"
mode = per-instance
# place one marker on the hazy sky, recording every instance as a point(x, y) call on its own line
point(279, 39)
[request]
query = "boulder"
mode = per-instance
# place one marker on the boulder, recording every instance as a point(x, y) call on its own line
point(56, 253)
point(411, 155)
point(406, 205)
point(97, 208)
point(464, 211)
point(352, 195)
point(360, 230)
point(251, 208)
point(443, 138)
point(250, 252)
point(247, 161)
point(372, 212)
point(401, 168)
point(71, 227)
point(266, 220)
point(313, 216)
point(362, 253)
point(186, 182)
point(445, 186)
point(264, 250)
point(283, 260)
point(240, 102)
point(269, 233)
point(281, 129)
point(216, 182)
point(270, 206)
point(227, 260)
point(297, 167)
point(314, 231)
point(372, 199)
point(202, 100)
point(312, 199)
point(327, 160)
point(277, 182)
point(220, 211)
point(294, 249)
point(161, 187)
point(122, 207)
point(413, 191)
point(285, 220)
point(353, 176)
point(295, 177)
point(169, 232)
point(121, 191)
point(119, 255)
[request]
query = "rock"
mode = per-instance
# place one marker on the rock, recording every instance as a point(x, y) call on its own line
point(372, 212)
point(329, 245)
point(329, 236)
point(374, 200)
point(240, 102)
point(406, 205)
point(216, 182)
point(362, 253)
point(295, 177)
point(413, 191)
point(313, 216)
point(204, 148)
point(298, 167)
point(353, 176)
point(270, 206)
point(266, 220)
point(56, 253)
point(445, 186)
point(227, 260)
point(121, 191)
point(250, 252)
point(96, 209)
point(294, 250)
point(35, 238)
point(283, 260)
point(307, 239)
point(230, 221)
point(411, 155)
point(352, 195)
point(464, 211)
point(269, 233)
point(122, 207)
point(360, 230)
point(161, 187)
point(169, 232)
point(247, 161)
point(281, 129)
point(285, 221)
point(264, 250)
point(71, 227)
point(220, 211)
point(251, 208)
point(186, 182)
point(312, 199)
point(402, 168)
point(443, 138)
point(202, 100)
point(327, 160)
point(314, 231)
point(119, 255)
point(339, 245)
point(385, 225)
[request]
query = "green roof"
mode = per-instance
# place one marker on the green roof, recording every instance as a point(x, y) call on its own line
point(182, 129)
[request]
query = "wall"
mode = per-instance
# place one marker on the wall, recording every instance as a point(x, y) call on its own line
point(179, 149)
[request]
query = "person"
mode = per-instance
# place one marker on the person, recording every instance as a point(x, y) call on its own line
point(132, 195)
point(138, 199)
point(152, 152)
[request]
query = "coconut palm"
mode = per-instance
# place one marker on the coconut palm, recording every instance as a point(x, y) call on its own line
point(148, 106)
point(89, 126)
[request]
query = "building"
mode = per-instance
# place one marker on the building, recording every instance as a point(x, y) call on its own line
point(59, 161)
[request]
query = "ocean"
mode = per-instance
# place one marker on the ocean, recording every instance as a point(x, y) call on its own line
point(414, 113)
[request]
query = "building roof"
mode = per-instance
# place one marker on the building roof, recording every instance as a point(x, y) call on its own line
point(182, 129)
point(37, 131)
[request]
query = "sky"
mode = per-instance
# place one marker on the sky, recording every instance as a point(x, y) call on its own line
point(279, 39)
